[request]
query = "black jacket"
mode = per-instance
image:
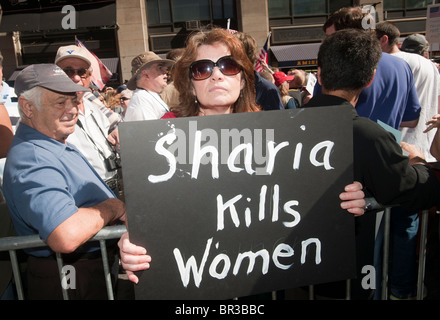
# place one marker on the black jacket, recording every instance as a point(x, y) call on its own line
point(381, 167)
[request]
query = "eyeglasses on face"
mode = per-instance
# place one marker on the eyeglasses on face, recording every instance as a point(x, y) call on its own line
point(163, 68)
point(124, 98)
point(71, 72)
point(202, 69)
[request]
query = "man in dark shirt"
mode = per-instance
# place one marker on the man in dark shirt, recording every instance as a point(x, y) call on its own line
point(347, 62)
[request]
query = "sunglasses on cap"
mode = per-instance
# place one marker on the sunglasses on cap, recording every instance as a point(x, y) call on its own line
point(71, 72)
point(202, 69)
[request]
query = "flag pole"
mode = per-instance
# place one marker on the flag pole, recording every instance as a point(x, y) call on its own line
point(268, 39)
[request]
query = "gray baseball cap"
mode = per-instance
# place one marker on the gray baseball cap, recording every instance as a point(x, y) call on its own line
point(46, 75)
point(414, 43)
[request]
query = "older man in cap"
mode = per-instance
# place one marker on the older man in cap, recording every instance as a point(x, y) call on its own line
point(416, 43)
point(94, 135)
point(52, 190)
point(150, 77)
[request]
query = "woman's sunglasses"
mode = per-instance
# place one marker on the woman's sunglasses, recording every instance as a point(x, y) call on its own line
point(82, 72)
point(202, 69)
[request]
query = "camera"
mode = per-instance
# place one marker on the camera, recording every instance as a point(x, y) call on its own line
point(113, 162)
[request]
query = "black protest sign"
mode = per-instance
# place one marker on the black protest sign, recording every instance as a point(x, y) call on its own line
point(235, 205)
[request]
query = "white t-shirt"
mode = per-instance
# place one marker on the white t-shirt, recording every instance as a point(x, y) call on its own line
point(90, 121)
point(145, 105)
point(9, 99)
point(427, 83)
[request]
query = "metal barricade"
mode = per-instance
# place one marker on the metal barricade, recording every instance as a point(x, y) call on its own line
point(386, 255)
point(12, 244)
point(422, 253)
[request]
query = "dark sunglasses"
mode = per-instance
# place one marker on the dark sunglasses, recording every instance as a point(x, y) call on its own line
point(202, 69)
point(124, 98)
point(82, 72)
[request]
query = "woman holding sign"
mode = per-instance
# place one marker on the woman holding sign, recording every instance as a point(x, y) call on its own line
point(221, 77)
point(214, 76)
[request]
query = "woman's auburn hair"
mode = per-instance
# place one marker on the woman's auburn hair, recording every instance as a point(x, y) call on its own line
point(182, 81)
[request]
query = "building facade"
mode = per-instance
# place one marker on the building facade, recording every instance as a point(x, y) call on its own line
point(118, 30)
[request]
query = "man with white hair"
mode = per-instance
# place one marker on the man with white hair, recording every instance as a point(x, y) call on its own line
point(53, 191)
point(149, 78)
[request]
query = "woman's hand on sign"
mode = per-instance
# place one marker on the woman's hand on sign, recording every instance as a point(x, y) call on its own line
point(133, 257)
point(353, 199)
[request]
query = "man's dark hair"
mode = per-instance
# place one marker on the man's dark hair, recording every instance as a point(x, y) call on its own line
point(344, 18)
point(389, 29)
point(348, 58)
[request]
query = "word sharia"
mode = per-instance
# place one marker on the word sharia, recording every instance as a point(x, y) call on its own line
point(246, 148)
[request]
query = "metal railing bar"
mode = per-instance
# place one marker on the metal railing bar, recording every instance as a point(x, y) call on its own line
point(14, 243)
point(311, 292)
point(16, 272)
point(422, 255)
point(60, 270)
point(34, 241)
point(386, 250)
point(108, 280)
point(348, 289)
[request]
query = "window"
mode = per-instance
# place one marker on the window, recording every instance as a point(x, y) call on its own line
point(303, 7)
point(279, 8)
point(158, 12)
point(223, 9)
point(184, 10)
point(416, 4)
point(297, 8)
point(405, 4)
point(338, 4)
point(178, 11)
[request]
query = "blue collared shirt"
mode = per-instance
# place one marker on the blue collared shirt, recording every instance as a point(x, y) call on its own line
point(45, 182)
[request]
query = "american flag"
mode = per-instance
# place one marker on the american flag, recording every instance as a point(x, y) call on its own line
point(263, 55)
point(100, 73)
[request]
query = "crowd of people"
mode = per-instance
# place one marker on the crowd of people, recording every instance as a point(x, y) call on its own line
point(62, 178)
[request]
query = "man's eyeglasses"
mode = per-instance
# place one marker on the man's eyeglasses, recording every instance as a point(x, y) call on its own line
point(124, 98)
point(82, 72)
point(202, 69)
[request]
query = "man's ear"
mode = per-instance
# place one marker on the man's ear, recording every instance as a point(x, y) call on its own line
point(371, 81)
point(26, 107)
point(144, 73)
point(383, 41)
point(319, 76)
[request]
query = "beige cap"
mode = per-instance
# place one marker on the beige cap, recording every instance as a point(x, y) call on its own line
point(141, 62)
point(72, 51)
